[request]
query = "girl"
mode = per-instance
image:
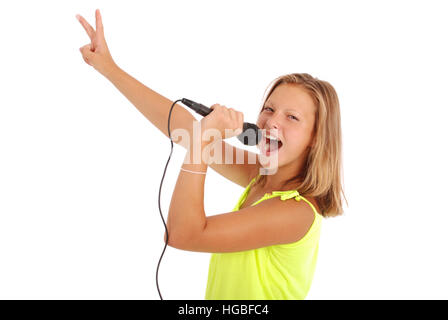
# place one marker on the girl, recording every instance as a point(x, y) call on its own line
point(266, 247)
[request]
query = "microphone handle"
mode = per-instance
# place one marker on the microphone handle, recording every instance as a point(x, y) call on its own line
point(204, 111)
point(197, 107)
point(251, 134)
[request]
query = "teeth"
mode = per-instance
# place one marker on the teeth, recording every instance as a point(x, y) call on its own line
point(271, 137)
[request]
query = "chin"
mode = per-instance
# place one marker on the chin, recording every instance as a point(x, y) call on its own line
point(269, 164)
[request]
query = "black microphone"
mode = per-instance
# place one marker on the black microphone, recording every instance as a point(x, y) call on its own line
point(251, 134)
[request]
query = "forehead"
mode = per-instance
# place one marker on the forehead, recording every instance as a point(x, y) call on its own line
point(293, 97)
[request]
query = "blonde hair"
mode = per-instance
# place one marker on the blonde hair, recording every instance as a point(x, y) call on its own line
point(321, 175)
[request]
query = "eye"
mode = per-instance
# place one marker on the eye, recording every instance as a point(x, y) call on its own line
point(293, 117)
point(267, 108)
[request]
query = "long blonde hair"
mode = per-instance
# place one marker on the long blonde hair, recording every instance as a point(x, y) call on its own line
point(322, 173)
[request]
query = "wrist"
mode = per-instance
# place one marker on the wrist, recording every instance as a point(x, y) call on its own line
point(110, 71)
point(198, 151)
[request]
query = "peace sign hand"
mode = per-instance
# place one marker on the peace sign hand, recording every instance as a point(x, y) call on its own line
point(96, 53)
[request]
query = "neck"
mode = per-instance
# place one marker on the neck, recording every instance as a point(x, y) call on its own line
point(277, 181)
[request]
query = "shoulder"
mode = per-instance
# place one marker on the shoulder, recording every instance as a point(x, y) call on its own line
point(313, 201)
point(294, 216)
point(291, 206)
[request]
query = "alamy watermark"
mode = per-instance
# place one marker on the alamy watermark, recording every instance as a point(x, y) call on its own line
point(212, 151)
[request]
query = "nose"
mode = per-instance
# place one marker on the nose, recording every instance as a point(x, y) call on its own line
point(272, 123)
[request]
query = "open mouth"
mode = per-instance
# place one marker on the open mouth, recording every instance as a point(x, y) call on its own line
point(270, 145)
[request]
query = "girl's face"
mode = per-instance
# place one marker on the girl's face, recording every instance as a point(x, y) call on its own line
point(288, 114)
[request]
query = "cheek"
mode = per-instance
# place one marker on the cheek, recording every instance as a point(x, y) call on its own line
point(297, 142)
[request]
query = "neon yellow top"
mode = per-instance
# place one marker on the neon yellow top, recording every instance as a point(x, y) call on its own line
point(278, 272)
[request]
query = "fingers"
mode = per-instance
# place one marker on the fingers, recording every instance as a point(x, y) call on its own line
point(85, 49)
point(87, 61)
point(232, 113)
point(238, 117)
point(241, 119)
point(99, 22)
point(86, 53)
point(220, 109)
point(235, 116)
point(90, 31)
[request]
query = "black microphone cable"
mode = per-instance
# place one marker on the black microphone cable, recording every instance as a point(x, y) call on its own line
point(251, 135)
point(160, 190)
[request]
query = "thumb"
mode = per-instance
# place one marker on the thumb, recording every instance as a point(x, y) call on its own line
point(239, 131)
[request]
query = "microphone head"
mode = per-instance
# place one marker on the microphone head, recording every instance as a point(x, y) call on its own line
point(251, 134)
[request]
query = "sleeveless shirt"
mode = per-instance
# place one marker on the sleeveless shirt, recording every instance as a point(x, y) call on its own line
point(277, 272)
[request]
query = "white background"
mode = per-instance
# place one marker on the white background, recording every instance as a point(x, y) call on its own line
point(80, 167)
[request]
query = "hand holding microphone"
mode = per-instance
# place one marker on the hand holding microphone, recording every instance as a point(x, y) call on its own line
point(226, 118)
point(227, 121)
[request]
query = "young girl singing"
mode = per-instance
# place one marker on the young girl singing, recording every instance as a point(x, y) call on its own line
point(267, 246)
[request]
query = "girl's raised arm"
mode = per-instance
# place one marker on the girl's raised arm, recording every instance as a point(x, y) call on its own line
point(151, 104)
